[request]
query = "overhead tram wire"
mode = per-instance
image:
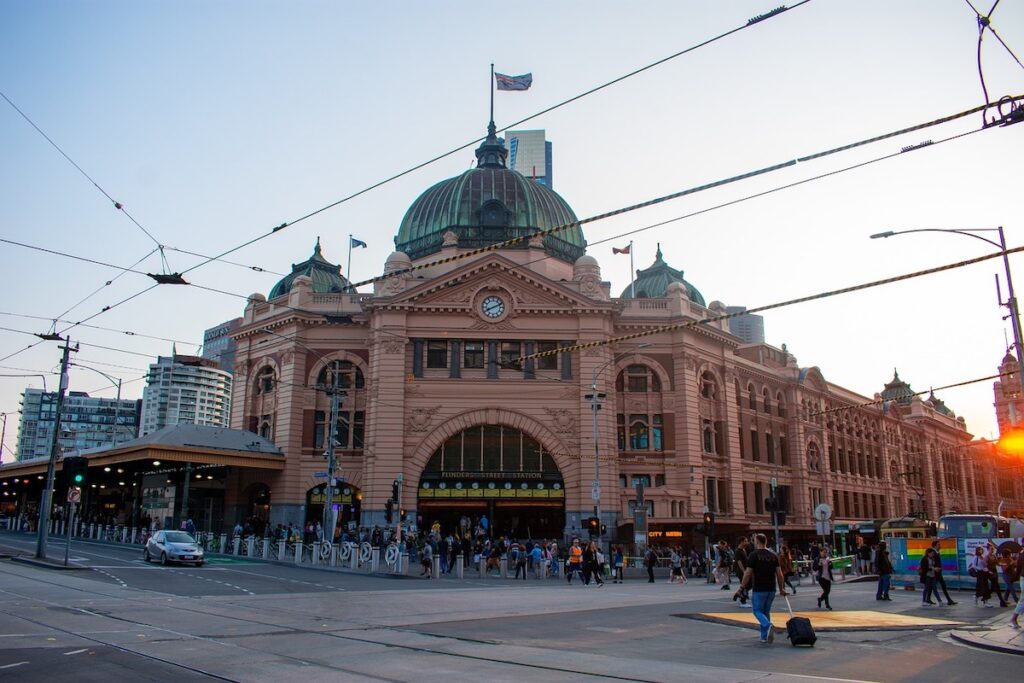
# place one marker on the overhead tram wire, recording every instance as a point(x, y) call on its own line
point(751, 22)
point(767, 307)
point(256, 269)
point(100, 327)
point(682, 193)
point(883, 401)
point(665, 222)
point(117, 204)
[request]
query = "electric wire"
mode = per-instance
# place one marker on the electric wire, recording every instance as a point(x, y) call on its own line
point(117, 204)
point(104, 285)
point(99, 327)
point(757, 20)
point(681, 193)
point(883, 401)
point(659, 329)
point(257, 269)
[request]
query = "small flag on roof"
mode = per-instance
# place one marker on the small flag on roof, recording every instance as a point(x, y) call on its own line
point(505, 82)
point(354, 243)
point(624, 250)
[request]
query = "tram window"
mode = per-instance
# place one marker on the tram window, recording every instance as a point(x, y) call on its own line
point(437, 353)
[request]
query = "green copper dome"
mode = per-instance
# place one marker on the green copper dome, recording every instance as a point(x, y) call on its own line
point(487, 205)
point(326, 276)
point(898, 390)
point(653, 282)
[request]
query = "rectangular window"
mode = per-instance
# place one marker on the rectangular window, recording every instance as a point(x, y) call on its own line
point(437, 353)
point(621, 430)
point(510, 354)
point(711, 495)
point(644, 479)
point(743, 445)
point(783, 451)
point(755, 446)
point(473, 356)
point(638, 434)
point(723, 496)
point(547, 362)
point(659, 480)
point(637, 383)
point(656, 432)
point(358, 429)
point(707, 437)
point(769, 448)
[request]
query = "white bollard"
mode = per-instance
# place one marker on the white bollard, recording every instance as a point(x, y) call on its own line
point(266, 548)
point(249, 543)
point(298, 552)
point(460, 567)
point(435, 568)
point(316, 553)
point(353, 561)
point(224, 543)
point(503, 564)
point(236, 543)
point(374, 560)
point(280, 550)
point(334, 555)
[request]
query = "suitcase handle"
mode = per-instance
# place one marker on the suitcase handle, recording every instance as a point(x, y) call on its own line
point(788, 606)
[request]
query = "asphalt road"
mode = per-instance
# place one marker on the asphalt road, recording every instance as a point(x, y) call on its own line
point(252, 621)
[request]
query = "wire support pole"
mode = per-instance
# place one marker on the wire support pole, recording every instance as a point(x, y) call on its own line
point(1011, 303)
point(45, 500)
point(332, 460)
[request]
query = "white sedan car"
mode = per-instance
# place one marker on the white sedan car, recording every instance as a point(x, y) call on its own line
point(173, 546)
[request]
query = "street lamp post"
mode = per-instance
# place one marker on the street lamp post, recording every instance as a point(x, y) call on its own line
point(595, 399)
point(1010, 303)
point(116, 381)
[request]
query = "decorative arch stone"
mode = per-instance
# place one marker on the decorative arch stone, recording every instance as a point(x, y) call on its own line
point(490, 416)
point(641, 359)
point(325, 359)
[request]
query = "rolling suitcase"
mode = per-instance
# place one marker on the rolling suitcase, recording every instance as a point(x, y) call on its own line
point(799, 629)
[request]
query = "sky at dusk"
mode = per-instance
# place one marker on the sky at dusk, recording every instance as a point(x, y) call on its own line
point(214, 122)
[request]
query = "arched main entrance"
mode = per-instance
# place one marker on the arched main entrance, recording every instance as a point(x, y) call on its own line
point(346, 498)
point(494, 472)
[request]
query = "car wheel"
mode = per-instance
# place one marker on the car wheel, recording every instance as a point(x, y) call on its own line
point(199, 564)
point(145, 556)
point(163, 559)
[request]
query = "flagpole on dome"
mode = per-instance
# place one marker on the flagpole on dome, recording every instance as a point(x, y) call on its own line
point(632, 273)
point(348, 265)
point(492, 92)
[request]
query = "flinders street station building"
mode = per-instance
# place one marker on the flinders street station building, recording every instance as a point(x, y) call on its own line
point(462, 375)
point(435, 392)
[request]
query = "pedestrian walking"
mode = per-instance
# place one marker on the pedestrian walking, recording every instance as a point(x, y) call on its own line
point(428, 559)
point(940, 582)
point(676, 562)
point(724, 566)
point(786, 565)
point(618, 560)
point(575, 563)
point(926, 571)
point(822, 568)
point(761, 576)
point(650, 559)
point(884, 566)
point(1019, 610)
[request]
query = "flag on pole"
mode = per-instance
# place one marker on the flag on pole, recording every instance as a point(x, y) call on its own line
point(353, 243)
point(505, 82)
point(624, 250)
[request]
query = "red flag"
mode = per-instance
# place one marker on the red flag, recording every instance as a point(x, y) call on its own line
point(624, 250)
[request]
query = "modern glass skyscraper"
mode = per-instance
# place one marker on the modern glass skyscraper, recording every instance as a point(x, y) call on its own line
point(530, 154)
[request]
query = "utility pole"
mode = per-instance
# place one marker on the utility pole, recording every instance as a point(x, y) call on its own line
point(332, 460)
point(51, 468)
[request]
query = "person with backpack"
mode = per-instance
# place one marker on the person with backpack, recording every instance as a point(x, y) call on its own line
point(761, 576)
point(884, 567)
point(940, 582)
point(650, 560)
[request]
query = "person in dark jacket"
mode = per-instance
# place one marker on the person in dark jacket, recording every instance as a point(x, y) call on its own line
point(884, 568)
point(939, 581)
point(926, 570)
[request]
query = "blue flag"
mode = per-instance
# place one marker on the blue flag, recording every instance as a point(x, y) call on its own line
point(505, 82)
point(353, 243)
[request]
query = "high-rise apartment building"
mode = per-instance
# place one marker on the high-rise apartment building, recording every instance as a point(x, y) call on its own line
point(530, 154)
point(218, 344)
point(748, 327)
point(185, 390)
point(85, 422)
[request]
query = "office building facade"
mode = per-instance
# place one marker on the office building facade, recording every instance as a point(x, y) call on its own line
point(185, 390)
point(86, 422)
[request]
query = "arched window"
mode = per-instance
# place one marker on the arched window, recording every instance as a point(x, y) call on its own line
point(767, 400)
point(642, 433)
point(753, 396)
point(708, 385)
point(349, 375)
point(779, 405)
point(491, 448)
point(265, 380)
point(266, 427)
point(638, 379)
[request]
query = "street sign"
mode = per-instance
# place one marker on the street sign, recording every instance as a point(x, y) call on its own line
point(823, 528)
point(320, 475)
point(823, 512)
point(775, 483)
point(74, 494)
point(595, 491)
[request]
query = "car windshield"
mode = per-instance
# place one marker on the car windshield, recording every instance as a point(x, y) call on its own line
point(179, 537)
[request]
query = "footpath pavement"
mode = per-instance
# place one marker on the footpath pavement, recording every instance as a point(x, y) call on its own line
point(999, 636)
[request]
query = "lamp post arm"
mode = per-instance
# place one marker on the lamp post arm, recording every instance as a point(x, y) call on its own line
point(116, 381)
point(968, 233)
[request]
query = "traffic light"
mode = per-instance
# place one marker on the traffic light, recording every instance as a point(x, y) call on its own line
point(709, 519)
point(389, 510)
point(396, 490)
point(593, 523)
point(780, 518)
point(604, 529)
point(75, 470)
point(770, 504)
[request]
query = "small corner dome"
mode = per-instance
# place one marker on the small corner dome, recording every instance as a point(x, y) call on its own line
point(326, 277)
point(586, 265)
point(653, 282)
point(397, 260)
point(256, 298)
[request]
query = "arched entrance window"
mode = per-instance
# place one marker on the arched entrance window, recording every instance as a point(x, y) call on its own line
point(494, 479)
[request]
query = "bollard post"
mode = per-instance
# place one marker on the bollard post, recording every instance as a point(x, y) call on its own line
point(298, 552)
point(236, 543)
point(334, 555)
point(134, 531)
point(435, 568)
point(224, 543)
point(374, 560)
point(353, 559)
point(266, 548)
point(280, 550)
point(503, 566)
point(249, 543)
point(316, 553)
point(92, 531)
point(481, 567)
point(460, 568)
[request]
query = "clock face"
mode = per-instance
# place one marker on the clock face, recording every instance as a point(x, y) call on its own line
point(493, 307)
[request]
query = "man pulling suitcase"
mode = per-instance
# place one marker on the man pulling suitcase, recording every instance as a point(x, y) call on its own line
point(763, 574)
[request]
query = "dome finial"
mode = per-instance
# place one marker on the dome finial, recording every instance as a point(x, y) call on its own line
point(657, 254)
point(316, 249)
point(492, 153)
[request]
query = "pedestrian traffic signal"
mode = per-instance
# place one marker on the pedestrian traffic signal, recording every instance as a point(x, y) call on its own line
point(604, 529)
point(770, 504)
point(396, 490)
point(593, 523)
point(389, 510)
point(709, 519)
point(75, 470)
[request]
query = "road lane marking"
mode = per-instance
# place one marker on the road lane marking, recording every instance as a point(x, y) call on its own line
point(76, 652)
point(11, 666)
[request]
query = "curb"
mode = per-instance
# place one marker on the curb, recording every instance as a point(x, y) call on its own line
point(46, 564)
point(979, 642)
